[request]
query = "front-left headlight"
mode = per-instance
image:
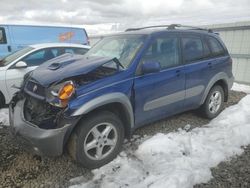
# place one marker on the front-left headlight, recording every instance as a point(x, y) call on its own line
point(59, 95)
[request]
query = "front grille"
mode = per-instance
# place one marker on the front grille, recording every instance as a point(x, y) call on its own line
point(35, 88)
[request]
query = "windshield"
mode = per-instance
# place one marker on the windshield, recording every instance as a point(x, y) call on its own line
point(123, 47)
point(10, 58)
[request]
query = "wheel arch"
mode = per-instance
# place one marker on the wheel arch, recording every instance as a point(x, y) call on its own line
point(118, 103)
point(219, 79)
point(224, 86)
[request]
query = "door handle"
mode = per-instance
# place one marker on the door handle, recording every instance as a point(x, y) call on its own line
point(210, 65)
point(178, 73)
point(9, 48)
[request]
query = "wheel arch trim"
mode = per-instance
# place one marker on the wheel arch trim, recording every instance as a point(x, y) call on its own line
point(220, 76)
point(100, 101)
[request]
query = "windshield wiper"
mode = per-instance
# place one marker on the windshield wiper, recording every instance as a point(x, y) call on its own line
point(118, 62)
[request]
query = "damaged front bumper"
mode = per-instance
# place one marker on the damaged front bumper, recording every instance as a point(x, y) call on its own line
point(49, 142)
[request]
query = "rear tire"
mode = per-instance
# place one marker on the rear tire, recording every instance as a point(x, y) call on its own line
point(214, 102)
point(97, 140)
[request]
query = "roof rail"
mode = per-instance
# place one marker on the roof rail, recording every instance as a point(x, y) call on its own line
point(171, 26)
point(147, 27)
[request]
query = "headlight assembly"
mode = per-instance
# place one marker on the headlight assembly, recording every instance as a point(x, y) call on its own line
point(59, 95)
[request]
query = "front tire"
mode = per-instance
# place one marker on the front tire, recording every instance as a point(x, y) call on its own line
point(97, 140)
point(214, 102)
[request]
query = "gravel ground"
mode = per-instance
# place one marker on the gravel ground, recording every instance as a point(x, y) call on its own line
point(21, 169)
point(234, 173)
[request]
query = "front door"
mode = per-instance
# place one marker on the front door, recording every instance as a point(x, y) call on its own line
point(160, 94)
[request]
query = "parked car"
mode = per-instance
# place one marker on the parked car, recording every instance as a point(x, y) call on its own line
point(16, 65)
point(90, 104)
point(16, 37)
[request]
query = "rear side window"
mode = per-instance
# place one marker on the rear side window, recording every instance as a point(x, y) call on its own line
point(2, 36)
point(192, 49)
point(216, 48)
point(164, 50)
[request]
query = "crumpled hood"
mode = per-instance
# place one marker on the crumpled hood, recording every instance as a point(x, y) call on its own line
point(66, 66)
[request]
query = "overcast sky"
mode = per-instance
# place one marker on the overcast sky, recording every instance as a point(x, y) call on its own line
point(102, 16)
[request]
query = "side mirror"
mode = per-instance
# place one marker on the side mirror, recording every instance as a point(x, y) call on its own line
point(21, 64)
point(150, 67)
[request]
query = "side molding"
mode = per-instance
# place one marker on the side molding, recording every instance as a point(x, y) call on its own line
point(107, 99)
point(173, 98)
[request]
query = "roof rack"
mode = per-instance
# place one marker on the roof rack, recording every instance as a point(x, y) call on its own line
point(170, 27)
point(147, 27)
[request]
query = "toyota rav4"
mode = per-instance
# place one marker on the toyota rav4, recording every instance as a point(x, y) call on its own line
point(89, 104)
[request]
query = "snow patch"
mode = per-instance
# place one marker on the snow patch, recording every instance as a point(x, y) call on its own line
point(241, 88)
point(4, 117)
point(178, 159)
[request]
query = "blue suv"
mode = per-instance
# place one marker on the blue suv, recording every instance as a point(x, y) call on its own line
point(89, 104)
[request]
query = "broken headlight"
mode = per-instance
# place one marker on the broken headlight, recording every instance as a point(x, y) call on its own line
point(59, 95)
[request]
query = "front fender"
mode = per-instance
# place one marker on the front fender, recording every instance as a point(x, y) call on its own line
point(109, 98)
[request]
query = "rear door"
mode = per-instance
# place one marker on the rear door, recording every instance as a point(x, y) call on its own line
point(5, 48)
point(196, 56)
point(160, 94)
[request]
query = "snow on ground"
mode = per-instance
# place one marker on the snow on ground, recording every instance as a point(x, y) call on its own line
point(179, 159)
point(241, 87)
point(4, 117)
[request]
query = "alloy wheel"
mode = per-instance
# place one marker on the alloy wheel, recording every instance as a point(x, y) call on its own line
point(100, 141)
point(215, 102)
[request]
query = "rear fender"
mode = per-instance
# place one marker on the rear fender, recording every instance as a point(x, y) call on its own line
point(220, 76)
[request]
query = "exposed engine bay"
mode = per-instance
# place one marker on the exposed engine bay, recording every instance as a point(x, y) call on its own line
point(41, 113)
point(97, 74)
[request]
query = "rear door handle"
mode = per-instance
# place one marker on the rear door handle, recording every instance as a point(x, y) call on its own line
point(9, 48)
point(210, 65)
point(178, 73)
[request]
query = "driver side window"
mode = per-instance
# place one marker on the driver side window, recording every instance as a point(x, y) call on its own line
point(165, 51)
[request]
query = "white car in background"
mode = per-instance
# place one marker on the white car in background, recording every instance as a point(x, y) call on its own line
point(14, 66)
